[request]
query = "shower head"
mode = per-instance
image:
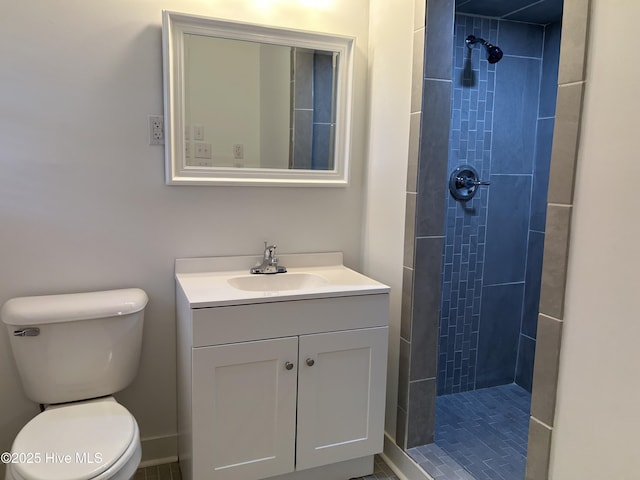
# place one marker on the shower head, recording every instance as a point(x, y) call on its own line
point(494, 53)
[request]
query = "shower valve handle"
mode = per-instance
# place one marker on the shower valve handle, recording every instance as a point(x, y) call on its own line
point(464, 182)
point(468, 182)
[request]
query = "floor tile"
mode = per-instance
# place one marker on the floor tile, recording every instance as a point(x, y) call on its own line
point(171, 471)
point(480, 434)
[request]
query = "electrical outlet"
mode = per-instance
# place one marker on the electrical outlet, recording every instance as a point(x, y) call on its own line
point(156, 130)
point(202, 150)
point(205, 162)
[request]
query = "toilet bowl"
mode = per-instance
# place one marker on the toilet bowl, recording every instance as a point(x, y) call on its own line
point(96, 439)
point(72, 351)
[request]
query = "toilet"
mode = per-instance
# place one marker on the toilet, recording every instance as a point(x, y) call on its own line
point(72, 353)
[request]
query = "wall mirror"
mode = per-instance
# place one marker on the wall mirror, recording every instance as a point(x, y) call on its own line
point(246, 104)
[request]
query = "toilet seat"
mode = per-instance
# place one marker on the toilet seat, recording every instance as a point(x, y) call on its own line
point(91, 440)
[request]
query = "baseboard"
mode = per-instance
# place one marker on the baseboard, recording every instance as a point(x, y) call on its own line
point(164, 449)
point(159, 450)
point(402, 464)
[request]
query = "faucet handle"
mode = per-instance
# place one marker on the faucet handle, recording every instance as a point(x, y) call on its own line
point(269, 251)
point(269, 261)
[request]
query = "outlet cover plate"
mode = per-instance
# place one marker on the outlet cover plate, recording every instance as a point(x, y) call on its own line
point(156, 130)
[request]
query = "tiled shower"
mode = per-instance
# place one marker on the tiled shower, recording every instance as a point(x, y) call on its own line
point(487, 255)
point(313, 112)
point(502, 124)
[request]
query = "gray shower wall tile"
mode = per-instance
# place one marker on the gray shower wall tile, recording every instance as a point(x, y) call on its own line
point(426, 308)
point(401, 428)
point(431, 203)
point(409, 229)
point(407, 303)
point(303, 80)
point(565, 147)
point(507, 229)
point(532, 284)
point(539, 451)
point(524, 367)
point(403, 374)
point(439, 30)
point(554, 264)
point(417, 70)
point(515, 115)
point(545, 377)
point(520, 39)
point(303, 139)
point(292, 93)
point(433, 156)
point(499, 319)
point(573, 45)
point(414, 149)
point(550, 63)
point(422, 412)
point(544, 140)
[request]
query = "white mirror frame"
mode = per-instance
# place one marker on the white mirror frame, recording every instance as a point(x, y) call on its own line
point(174, 27)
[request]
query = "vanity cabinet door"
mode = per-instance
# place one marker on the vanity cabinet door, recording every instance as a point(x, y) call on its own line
point(244, 409)
point(341, 396)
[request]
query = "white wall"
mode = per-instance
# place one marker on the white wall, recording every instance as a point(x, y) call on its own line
point(390, 53)
point(256, 117)
point(213, 66)
point(275, 105)
point(83, 203)
point(598, 411)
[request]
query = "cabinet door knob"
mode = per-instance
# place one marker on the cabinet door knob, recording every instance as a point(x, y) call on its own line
point(288, 365)
point(310, 362)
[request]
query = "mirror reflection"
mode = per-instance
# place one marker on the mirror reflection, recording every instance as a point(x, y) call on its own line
point(258, 105)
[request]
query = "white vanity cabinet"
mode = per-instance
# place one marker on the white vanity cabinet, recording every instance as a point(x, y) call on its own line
point(245, 400)
point(289, 390)
point(244, 409)
point(341, 390)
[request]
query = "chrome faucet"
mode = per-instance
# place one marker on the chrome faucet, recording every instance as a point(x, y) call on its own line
point(269, 262)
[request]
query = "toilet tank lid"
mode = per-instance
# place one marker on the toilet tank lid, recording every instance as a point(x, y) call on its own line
point(71, 307)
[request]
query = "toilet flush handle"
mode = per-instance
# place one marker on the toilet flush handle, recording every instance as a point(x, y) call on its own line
point(27, 332)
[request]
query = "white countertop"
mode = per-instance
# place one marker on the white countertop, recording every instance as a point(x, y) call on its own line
point(205, 281)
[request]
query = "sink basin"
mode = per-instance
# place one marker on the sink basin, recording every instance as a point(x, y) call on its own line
point(278, 282)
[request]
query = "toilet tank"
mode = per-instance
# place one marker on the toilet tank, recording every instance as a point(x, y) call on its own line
point(76, 346)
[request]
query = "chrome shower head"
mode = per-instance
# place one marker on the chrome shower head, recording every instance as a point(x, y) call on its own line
point(494, 53)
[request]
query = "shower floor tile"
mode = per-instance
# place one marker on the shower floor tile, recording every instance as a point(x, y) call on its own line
point(483, 432)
